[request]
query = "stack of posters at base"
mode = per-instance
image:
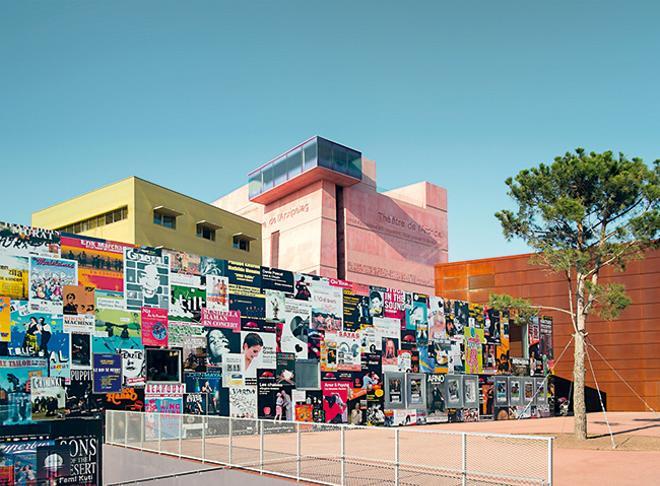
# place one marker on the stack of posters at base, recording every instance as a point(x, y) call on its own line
point(88, 325)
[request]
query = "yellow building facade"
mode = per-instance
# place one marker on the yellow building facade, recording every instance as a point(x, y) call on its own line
point(140, 212)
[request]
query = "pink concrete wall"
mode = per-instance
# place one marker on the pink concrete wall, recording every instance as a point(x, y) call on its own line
point(392, 239)
point(394, 242)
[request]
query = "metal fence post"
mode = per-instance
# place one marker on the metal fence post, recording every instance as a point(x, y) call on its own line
point(126, 415)
point(298, 452)
point(230, 442)
point(180, 433)
point(261, 446)
point(396, 457)
point(464, 458)
point(159, 431)
point(203, 438)
point(550, 460)
point(343, 459)
point(141, 431)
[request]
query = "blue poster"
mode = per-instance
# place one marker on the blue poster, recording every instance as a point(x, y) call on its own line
point(15, 374)
point(107, 373)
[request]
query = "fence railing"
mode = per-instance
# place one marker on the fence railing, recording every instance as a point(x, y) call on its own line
point(339, 454)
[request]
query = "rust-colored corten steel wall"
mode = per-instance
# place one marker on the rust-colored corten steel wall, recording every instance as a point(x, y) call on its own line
point(631, 343)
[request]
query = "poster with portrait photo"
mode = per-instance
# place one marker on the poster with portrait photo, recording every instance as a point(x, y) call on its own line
point(489, 356)
point(492, 326)
point(437, 326)
point(195, 404)
point(394, 390)
point(470, 391)
point(528, 390)
point(221, 341)
point(356, 310)
point(194, 351)
point(146, 278)
point(390, 354)
point(416, 390)
point(133, 367)
point(217, 292)
point(385, 327)
point(81, 351)
point(78, 300)
point(329, 352)
point(454, 391)
point(377, 301)
point(276, 279)
point(460, 321)
point(258, 351)
point(515, 391)
point(501, 384)
point(436, 403)
point(163, 365)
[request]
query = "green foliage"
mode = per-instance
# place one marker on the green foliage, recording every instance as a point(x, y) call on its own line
point(583, 212)
point(585, 209)
point(611, 299)
point(521, 310)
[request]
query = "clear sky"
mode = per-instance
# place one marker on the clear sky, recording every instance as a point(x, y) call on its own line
point(193, 94)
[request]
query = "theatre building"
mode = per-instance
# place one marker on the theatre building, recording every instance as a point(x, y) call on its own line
point(629, 344)
point(321, 213)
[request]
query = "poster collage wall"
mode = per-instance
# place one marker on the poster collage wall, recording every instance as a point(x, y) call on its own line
point(88, 325)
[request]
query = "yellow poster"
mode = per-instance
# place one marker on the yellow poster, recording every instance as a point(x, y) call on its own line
point(14, 277)
point(5, 320)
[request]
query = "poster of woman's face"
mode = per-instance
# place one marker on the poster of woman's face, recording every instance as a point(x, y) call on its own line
point(219, 342)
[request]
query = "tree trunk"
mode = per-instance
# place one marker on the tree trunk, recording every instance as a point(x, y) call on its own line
point(579, 406)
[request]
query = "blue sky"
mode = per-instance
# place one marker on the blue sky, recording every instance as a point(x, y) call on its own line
point(193, 94)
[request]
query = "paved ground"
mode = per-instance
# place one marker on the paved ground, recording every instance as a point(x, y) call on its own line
point(636, 460)
point(124, 465)
point(371, 451)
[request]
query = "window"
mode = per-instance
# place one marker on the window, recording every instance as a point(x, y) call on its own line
point(162, 219)
point(205, 231)
point(110, 217)
point(242, 243)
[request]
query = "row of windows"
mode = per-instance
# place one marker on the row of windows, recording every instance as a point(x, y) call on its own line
point(96, 221)
point(317, 152)
point(202, 230)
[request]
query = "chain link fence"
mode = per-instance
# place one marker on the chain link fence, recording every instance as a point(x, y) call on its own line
point(339, 454)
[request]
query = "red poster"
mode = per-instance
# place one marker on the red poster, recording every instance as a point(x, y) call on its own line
point(154, 326)
point(335, 401)
point(100, 262)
